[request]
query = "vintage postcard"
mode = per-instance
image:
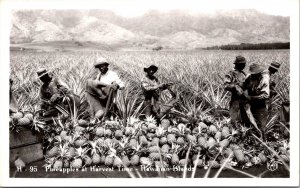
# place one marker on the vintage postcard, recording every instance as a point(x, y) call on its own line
point(103, 93)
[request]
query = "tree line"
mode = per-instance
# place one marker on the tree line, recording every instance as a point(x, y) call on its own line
point(248, 46)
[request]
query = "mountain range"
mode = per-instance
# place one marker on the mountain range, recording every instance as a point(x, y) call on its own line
point(175, 29)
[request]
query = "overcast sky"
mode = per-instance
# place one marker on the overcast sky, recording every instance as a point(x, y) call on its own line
point(130, 8)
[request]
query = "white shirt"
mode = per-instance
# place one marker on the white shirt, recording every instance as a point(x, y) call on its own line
point(109, 77)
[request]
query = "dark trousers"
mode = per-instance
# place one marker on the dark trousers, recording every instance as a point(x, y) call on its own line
point(260, 114)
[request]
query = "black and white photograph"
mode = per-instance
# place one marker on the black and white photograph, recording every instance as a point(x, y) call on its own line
point(175, 90)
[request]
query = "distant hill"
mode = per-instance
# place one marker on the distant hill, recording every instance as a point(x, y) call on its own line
point(171, 30)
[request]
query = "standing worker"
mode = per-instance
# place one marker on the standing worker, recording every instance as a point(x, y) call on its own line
point(233, 83)
point(257, 92)
point(101, 92)
point(272, 70)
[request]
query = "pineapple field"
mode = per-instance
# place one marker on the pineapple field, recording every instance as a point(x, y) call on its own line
point(196, 134)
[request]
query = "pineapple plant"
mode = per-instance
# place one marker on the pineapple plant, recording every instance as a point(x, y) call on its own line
point(218, 135)
point(29, 116)
point(262, 157)
point(152, 127)
point(24, 121)
point(227, 152)
point(163, 140)
point(175, 157)
point(79, 129)
point(129, 131)
point(165, 148)
point(80, 141)
point(160, 131)
point(180, 140)
point(171, 138)
point(154, 142)
point(53, 152)
point(256, 160)
point(165, 124)
point(95, 152)
point(99, 131)
point(203, 126)
point(238, 153)
point(58, 164)
point(211, 142)
point(146, 161)
point(107, 133)
point(82, 123)
point(135, 160)
point(191, 138)
point(143, 140)
point(17, 115)
point(285, 158)
point(133, 143)
point(154, 149)
point(212, 129)
point(78, 159)
point(202, 141)
point(183, 162)
point(125, 160)
point(118, 134)
point(199, 163)
point(213, 164)
point(224, 143)
point(225, 132)
point(160, 164)
point(117, 162)
point(61, 157)
point(154, 156)
point(112, 161)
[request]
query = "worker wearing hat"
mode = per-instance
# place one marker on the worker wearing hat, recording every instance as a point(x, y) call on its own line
point(152, 89)
point(257, 92)
point(52, 92)
point(233, 82)
point(98, 90)
point(269, 74)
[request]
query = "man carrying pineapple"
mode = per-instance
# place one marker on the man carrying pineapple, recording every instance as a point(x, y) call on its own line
point(257, 92)
point(56, 97)
point(152, 89)
point(101, 92)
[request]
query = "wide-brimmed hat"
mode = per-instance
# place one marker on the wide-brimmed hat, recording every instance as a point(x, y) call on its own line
point(240, 60)
point(255, 68)
point(101, 62)
point(152, 67)
point(275, 65)
point(42, 72)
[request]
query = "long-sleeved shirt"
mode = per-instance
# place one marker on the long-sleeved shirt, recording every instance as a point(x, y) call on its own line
point(55, 86)
point(258, 89)
point(150, 88)
point(233, 82)
point(272, 83)
point(110, 77)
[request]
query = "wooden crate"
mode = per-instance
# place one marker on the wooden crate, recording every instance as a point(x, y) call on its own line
point(26, 144)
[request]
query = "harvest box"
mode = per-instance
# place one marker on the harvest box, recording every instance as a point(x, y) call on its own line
point(26, 144)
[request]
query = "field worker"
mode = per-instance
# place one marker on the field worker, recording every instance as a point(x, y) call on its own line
point(55, 94)
point(152, 89)
point(272, 70)
point(233, 83)
point(101, 92)
point(257, 92)
point(13, 105)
